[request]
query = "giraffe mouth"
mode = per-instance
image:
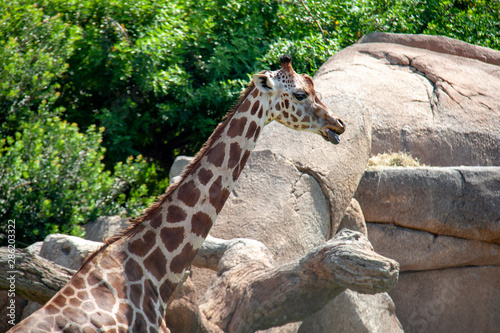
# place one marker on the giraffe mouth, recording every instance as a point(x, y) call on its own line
point(332, 136)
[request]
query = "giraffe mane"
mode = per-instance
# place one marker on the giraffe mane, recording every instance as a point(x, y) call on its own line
point(132, 228)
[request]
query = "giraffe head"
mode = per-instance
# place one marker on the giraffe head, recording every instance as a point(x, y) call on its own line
point(294, 103)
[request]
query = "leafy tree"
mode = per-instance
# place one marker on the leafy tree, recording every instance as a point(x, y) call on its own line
point(34, 48)
point(52, 179)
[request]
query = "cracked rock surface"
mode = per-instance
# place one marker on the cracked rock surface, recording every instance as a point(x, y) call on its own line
point(434, 97)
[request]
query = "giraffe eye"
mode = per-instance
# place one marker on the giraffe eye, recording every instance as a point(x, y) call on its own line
point(300, 96)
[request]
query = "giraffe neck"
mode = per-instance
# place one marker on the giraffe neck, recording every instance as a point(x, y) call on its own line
point(128, 283)
point(187, 212)
point(173, 232)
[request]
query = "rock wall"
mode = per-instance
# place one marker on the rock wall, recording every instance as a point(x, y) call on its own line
point(441, 225)
point(437, 99)
point(431, 96)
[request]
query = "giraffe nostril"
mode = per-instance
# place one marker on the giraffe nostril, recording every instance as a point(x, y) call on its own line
point(341, 123)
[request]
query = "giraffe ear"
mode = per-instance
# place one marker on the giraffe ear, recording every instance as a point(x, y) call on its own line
point(263, 82)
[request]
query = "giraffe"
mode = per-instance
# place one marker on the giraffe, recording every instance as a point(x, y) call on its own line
point(127, 284)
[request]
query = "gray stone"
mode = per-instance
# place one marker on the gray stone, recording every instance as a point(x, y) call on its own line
point(179, 164)
point(449, 300)
point(354, 218)
point(440, 44)
point(67, 251)
point(104, 227)
point(35, 248)
point(417, 250)
point(427, 95)
point(354, 312)
point(454, 201)
point(276, 204)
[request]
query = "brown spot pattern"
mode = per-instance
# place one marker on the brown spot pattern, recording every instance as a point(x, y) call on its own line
point(257, 133)
point(140, 324)
point(244, 159)
point(103, 297)
point(94, 277)
point(51, 310)
point(236, 127)
point(244, 106)
point(114, 261)
point(117, 281)
point(175, 214)
point(142, 245)
point(182, 259)
point(68, 291)
point(125, 313)
point(201, 224)
point(60, 301)
point(255, 107)
point(75, 302)
point(251, 130)
point(156, 264)
point(150, 298)
point(172, 237)
point(132, 270)
point(216, 154)
point(218, 194)
point(88, 306)
point(135, 294)
point(156, 219)
point(234, 155)
point(77, 316)
point(166, 290)
point(100, 319)
point(83, 295)
point(204, 176)
point(189, 194)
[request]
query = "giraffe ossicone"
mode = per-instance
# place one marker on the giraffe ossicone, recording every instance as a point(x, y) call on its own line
point(127, 284)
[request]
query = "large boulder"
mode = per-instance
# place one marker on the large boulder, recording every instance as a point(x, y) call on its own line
point(462, 299)
point(68, 251)
point(354, 312)
point(441, 225)
point(104, 227)
point(434, 97)
point(417, 250)
point(453, 201)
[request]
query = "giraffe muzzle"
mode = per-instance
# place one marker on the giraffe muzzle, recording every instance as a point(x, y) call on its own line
point(333, 131)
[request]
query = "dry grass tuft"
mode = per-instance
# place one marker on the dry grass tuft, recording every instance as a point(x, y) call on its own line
point(400, 159)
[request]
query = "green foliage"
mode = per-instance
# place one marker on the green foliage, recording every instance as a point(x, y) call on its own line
point(157, 76)
point(33, 50)
point(52, 179)
point(473, 21)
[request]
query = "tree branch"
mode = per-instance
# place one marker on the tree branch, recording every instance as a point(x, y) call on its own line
point(313, 18)
point(252, 295)
point(36, 278)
